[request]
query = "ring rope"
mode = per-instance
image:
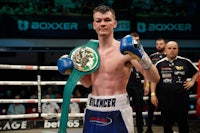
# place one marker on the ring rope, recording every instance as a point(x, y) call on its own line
point(34, 83)
point(78, 100)
point(33, 67)
point(32, 115)
point(39, 101)
point(27, 67)
point(35, 115)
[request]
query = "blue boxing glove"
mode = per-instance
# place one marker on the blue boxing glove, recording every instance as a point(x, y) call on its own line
point(132, 47)
point(65, 65)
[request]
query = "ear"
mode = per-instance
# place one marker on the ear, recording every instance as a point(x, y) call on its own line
point(93, 26)
point(115, 24)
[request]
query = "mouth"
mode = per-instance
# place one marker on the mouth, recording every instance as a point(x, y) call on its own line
point(103, 30)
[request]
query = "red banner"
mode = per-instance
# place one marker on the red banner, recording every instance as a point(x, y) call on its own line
point(198, 94)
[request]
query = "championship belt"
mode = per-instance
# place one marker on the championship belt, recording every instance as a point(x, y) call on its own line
point(85, 60)
point(198, 94)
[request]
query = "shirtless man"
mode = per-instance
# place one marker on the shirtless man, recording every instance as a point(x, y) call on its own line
point(108, 108)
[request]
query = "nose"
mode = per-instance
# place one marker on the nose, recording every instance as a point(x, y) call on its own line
point(103, 23)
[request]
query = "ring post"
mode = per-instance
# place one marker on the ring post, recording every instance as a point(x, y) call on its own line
point(86, 60)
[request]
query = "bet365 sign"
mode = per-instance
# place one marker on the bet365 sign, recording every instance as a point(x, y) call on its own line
point(55, 124)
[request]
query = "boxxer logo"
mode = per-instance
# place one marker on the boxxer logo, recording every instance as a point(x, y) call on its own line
point(23, 25)
point(143, 27)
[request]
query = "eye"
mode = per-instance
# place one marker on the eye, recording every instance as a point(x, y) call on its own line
point(107, 20)
point(98, 21)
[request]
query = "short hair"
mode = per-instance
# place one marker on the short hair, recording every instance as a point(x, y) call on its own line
point(135, 34)
point(17, 96)
point(160, 39)
point(103, 9)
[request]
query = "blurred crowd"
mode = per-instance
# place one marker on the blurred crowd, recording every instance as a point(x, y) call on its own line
point(47, 92)
point(84, 7)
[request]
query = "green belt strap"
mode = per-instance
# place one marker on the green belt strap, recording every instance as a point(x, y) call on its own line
point(86, 60)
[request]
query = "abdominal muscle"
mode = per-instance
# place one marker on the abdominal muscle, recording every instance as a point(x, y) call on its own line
point(106, 85)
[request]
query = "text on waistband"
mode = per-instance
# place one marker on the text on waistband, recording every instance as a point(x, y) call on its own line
point(102, 102)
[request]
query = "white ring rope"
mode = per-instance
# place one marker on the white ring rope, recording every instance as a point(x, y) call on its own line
point(28, 67)
point(34, 83)
point(34, 115)
point(39, 100)
point(32, 67)
point(78, 100)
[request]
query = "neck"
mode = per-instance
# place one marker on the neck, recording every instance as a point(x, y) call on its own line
point(171, 59)
point(105, 42)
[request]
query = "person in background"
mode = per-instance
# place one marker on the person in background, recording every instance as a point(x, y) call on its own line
point(160, 47)
point(74, 106)
point(51, 92)
point(16, 108)
point(178, 74)
point(34, 95)
point(50, 107)
point(9, 94)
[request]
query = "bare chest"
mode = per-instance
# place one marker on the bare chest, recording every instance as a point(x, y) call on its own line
point(111, 63)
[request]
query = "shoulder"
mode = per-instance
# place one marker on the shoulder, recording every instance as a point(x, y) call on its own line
point(185, 60)
point(161, 61)
point(22, 106)
point(54, 104)
point(44, 104)
point(11, 105)
point(154, 54)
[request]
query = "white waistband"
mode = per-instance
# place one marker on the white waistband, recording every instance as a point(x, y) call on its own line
point(108, 103)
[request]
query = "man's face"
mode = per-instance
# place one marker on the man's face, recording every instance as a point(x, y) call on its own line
point(137, 38)
point(160, 46)
point(104, 23)
point(171, 50)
